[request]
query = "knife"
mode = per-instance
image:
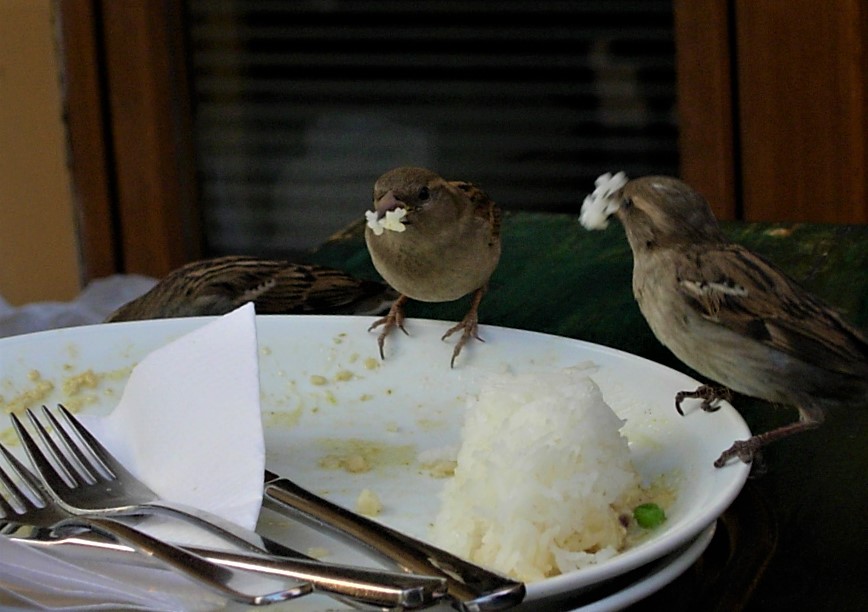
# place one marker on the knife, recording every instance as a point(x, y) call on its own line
point(469, 587)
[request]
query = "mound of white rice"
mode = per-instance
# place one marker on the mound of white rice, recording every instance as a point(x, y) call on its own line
point(541, 471)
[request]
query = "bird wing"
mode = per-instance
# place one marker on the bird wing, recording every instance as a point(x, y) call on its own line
point(483, 206)
point(736, 288)
point(217, 286)
point(298, 288)
point(230, 280)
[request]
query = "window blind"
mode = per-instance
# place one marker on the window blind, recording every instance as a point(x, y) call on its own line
point(301, 105)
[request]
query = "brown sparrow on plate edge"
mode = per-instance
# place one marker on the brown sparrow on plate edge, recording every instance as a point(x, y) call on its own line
point(432, 240)
point(728, 313)
point(217, 286)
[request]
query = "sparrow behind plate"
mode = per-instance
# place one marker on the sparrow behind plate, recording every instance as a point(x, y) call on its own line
point(728, 313)
point(217, 286)
point(444, 244)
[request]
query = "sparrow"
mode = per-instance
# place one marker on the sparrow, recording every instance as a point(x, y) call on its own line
point(217, 286)
point(432, 240)
point(730, 314)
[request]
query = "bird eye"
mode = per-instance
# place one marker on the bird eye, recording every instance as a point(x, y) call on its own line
point(424, 194)
point(628, 203)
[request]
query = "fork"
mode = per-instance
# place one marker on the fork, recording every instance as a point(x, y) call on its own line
point(104, 486)
point(112, 491)
point(29, 504)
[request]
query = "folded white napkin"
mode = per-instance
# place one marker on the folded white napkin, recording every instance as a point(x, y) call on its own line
point(189, 426)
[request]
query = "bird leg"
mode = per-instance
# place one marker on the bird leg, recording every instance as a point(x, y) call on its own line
point(470, 325)
point(394, 318)
point(745, 449)
point(710, 396)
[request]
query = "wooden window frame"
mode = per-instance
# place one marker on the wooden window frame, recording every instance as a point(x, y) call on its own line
point(771, 101)
point(130, 131)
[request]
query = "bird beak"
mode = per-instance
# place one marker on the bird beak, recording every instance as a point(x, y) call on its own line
point(386, 203)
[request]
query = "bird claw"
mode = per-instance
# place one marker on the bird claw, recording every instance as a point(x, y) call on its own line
point(710, 396)
point(470, 325)
point(747, 450)
point(394, 318)
point(743, 449)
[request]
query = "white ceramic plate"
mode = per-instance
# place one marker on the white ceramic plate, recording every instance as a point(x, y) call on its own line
point(326, 395)
point(659, 574)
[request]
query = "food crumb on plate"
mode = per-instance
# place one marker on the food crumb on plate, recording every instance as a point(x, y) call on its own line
point(41, 388)
point(344, 375)
point(439, 462)
point(368, 503)
point(85, 380)
point(356, 464)
point(357, 456)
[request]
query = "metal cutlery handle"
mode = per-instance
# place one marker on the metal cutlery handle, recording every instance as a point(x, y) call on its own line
point(374, 587)
point(363, 585)
point(370, 587)
point(472, 587)
point(221, 579)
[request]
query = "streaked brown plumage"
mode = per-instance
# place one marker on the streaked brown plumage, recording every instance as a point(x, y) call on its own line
point(217, 286)
point(734, 317)
point(449, 249)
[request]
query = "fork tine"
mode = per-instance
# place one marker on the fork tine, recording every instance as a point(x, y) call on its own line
point(8, 510)
point(53, 477)
point(106, 460)
point(89, 469)
point(34, 488)
point(52, 448)
point(35, 504)
point(24, 473)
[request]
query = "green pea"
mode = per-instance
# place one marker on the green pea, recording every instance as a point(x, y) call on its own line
point(649, 515)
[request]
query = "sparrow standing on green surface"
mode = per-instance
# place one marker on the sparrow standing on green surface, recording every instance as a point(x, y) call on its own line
point(217, 286)
point(432, 240)
point(728, 313)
